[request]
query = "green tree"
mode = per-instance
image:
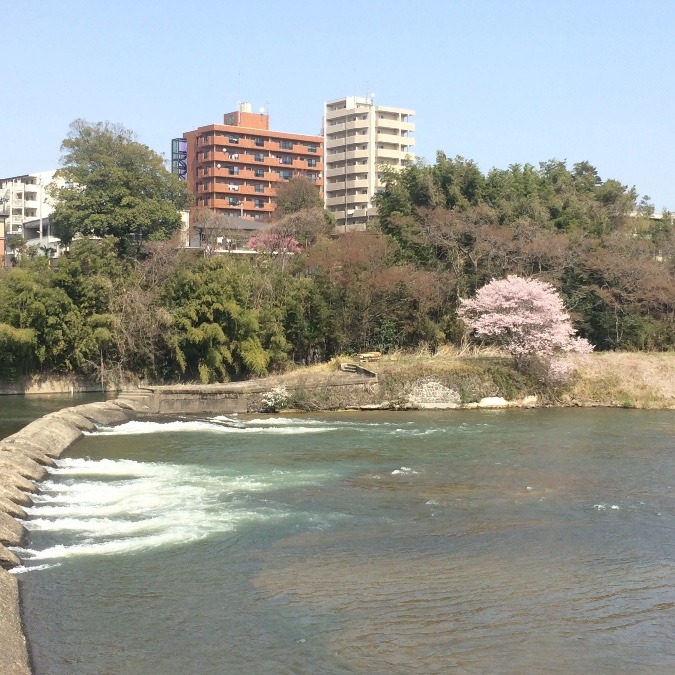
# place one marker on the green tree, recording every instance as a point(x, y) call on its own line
point(115, 186)
point(215, 335)
point(297, 194)
point(29, 302)
point(459, 180)
point(16, 347)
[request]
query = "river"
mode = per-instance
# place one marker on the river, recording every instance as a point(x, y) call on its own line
point(17, 411)
point(513, 541)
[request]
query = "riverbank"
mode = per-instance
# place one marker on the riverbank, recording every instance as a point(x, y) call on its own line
point(446, 379)
point(451, 380)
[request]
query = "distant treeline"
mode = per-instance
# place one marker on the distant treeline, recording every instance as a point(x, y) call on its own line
point(167, 315)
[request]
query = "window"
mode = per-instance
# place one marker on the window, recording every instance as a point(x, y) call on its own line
point(286, 160)
point(259, 157)
point(311, 161)
point(286, 175)
point(260, 142)
point(234, 138)
point(286, 145)
point(234, 201)
point(260, 188)
point(259, 173)
point(259, 203)
point(311, 148)
point(233, 170)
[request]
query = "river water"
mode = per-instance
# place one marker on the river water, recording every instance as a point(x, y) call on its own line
point(519, 541)
point(17, 411)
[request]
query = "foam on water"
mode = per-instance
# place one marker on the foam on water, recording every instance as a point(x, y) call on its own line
point(285, 426)
point(417, 432)
point(107, 507)
point(273, 421)
point(136, 427)
point(221, 424)
point(404, 471)
point(283, 422)
point(22, 569)
point(107, 467)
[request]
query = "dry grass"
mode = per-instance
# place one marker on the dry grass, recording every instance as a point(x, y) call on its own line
point(626, 379)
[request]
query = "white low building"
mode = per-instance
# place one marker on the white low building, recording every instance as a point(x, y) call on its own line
point(25, 207)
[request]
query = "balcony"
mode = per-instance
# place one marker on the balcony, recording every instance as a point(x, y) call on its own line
point(336, 201)
point(357, 184)
point(269, 145)
point(339, 142)
point(391, 153)
point(353, 201)
point(339, 172)
point(223, 191)
point(386, 137)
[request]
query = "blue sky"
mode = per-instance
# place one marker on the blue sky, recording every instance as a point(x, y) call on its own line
point(499, 82)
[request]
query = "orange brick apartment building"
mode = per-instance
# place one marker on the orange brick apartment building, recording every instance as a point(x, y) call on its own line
point(234, 168)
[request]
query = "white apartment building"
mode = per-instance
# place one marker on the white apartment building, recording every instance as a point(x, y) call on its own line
point(25, 207)
point(360, 140)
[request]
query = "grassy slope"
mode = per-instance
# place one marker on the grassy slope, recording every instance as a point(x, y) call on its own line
point(626, 379)
point(635, 380)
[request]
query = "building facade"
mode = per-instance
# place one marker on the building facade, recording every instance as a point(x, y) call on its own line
point(25, 207)
point(360, 141)
point(235, 168)
point(2, 239)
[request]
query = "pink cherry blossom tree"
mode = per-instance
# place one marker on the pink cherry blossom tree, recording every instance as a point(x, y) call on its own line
point(272, 241)
point(276, 243)
point(525, 316)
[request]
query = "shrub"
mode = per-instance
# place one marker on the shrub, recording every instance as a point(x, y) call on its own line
point(275, 400)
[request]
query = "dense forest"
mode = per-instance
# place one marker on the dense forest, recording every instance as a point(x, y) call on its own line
point(166, 314)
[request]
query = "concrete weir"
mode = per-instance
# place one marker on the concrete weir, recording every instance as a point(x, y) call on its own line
point(26, 455)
